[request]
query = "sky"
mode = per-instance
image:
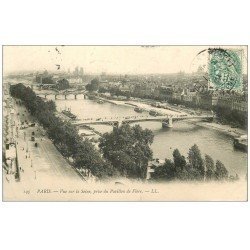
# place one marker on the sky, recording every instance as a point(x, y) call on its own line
point(108, 59)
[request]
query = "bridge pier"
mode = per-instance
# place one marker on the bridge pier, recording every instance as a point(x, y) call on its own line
point(167, 123)
point(170, 122)
point(115, 125)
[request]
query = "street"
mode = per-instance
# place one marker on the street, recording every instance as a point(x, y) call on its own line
point(38, 165)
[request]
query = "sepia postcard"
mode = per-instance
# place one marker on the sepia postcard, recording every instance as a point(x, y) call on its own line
point(124, 123)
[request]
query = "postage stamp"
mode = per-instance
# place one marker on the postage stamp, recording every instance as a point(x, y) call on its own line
point(225, 68)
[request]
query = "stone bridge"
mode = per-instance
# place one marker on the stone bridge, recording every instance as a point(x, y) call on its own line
point(65, 94)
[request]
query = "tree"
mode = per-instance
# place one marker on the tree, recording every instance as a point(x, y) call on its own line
point(233, 117)
point(93, 86)
point(87, 157)
point(102, 90)
point(123, 162)
point(165, 172)
point(51, 106)
point(210, 168)
point(196, 163)
point(221, 173)
point(128, 95)
point(62, 84)
point(179, 162)
point(95, 81)
point(48, 80)
point(127, 148)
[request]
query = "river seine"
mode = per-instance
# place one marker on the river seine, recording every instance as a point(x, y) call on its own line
point(182, 136)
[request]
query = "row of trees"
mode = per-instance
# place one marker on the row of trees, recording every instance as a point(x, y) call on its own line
point(195, 168)
point(233, 117)
point(63, 134)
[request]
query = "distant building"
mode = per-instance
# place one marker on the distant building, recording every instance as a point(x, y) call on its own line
point(207, 99)
point(76, 72)
point(46, 73)
point(189, 96)
point(44, 79)
point(177, 95)
point(143, 90)
point(163, 92)
point(10, 152)
point(81, 71)
point(231, 102)
point(125, 88)
point(73, 81)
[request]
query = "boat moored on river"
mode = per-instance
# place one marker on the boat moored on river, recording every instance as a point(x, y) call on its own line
point(167, 124)
point(69, 114)
point(153, 113)
point(241, 142)
point(137, 109)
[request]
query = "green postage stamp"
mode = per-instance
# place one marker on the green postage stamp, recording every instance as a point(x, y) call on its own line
point(225, 68)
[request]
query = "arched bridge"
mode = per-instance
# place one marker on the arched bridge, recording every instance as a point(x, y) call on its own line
point(64, 93)
point(166, 120)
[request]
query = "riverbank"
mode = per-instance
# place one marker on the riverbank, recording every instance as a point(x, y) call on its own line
point(144, 105)
point(226, 129)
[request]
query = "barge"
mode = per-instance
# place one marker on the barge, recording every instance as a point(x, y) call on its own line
point(241, 142)
point(153, 113)
point(69, 114)
point(137, 109)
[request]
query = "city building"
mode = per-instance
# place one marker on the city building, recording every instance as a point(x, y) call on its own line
point(76, 71)
point(207, 99)
point(233, 102)
point(81, 71)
